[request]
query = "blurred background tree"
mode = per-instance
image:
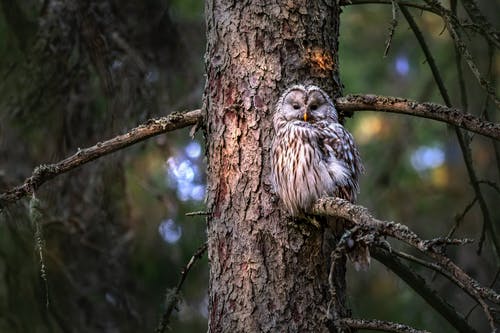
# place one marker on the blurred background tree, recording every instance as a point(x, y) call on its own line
point(115, 232)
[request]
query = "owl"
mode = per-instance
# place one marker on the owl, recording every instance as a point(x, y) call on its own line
point(313, 155)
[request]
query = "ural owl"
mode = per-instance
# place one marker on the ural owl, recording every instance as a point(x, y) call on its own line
point(313, 155)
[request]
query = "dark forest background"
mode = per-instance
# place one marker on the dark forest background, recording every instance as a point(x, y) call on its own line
point(114, 235)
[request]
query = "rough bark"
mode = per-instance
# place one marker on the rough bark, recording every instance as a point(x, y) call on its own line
point(266, 275)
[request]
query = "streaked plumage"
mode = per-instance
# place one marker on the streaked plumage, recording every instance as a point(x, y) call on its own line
point(312, 154)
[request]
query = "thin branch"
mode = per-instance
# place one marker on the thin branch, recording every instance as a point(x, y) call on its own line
point(491, 184)
point(427, 53)
point(480, 25)
point(173, 297)
point(198, 213)
point(334, 310)
point(482, 22)
point(460, 136)
point(388, 2)
point(491, 76)
point(433, 266)
point(425, 110)
point(428, 264)
point(491, 286)
point(458, 219)
point(392, 28)
point(46, 172)
point(419, 285)
point(376, 325)
point(450, 23)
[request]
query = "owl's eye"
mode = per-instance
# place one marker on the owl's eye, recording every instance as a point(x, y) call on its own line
point(296, 106)
point(314, 107)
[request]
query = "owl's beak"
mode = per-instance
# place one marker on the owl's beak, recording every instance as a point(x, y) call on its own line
point(305, 116)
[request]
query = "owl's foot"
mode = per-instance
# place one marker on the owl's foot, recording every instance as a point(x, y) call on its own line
point(304, 224)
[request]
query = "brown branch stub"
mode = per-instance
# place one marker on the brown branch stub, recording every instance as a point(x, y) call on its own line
point(376, 325)
point(426, 110)
point(153, 127)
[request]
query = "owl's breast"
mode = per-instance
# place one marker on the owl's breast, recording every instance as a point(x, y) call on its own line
point(301, 173)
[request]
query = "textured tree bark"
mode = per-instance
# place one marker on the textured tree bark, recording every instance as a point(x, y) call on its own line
point(266, 275)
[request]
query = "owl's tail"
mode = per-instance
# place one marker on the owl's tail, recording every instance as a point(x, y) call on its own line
point(360, 257)
point(357, 250)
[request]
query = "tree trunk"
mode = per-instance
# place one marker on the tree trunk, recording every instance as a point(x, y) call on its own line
point(266, 274)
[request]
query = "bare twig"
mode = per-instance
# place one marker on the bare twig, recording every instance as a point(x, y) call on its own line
point(485, 113)
point(388, 2)
point(436, 268)
point(464, 142)
point(460, 136)
point(417, 283)
point(491, 184)
point(392, 27)
point(172, 297)
point(198, 213)
point(426, 110)
point(153, 127)
point(334, 310)
point(491, 286)
point(376, 325)
point(459, 218)
point(482, 22)
point(451, 25)
point(480, 25)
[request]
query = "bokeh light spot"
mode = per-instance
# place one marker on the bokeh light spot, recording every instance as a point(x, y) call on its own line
point(193, 150)
point(170, 231)
point(402, 65)
point(426, 157)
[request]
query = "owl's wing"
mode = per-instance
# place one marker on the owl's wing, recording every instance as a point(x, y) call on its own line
point(337, 143)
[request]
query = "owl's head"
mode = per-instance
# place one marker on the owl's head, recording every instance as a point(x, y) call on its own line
point(309, 104)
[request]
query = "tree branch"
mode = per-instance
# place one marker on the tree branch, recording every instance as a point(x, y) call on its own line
point(376, 325)
point(45, 172)
point(177, 120)
point(172, 298)
point(417, 283)
point(426, 110)
point(362, 220)
point(482, 22)
point(388, 2)
point(451, 25)
point(461, 137)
